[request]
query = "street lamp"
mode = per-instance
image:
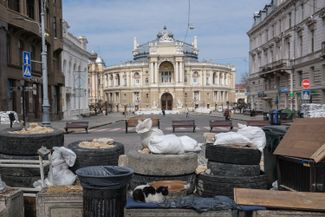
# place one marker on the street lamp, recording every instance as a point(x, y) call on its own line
point(45, 105)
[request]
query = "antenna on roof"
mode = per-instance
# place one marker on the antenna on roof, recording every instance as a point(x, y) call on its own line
point(189, 26)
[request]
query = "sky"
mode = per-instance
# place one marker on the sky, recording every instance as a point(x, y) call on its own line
point(221, 26)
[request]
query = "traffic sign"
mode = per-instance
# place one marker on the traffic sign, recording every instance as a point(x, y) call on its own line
point(305, 84)
point(27, 71)
point(305, 95)
point(27, 67)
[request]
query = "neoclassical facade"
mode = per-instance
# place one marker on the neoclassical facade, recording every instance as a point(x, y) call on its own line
point(75, 60)
point(165, 74)
point(287, 45)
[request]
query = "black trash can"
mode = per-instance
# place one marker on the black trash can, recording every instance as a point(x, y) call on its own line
point(104, 190)
point(273, 134)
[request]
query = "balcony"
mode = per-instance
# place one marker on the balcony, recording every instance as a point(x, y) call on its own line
point(279, 66)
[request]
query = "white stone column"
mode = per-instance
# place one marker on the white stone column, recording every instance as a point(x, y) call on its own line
point(151, 72)
point(218, 78)
point(181, 71)
point(177, 71)
point(156, 73)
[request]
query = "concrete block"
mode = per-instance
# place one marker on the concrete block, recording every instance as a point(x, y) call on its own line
point(59, 202)
point(12, 203)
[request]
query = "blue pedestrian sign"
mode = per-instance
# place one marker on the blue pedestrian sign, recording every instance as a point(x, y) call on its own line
point(305, 95)
point(27, 67)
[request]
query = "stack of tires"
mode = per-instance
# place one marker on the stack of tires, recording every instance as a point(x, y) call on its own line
point(96, 156)
point(230, 167)
point(24, 147)
point(154, 167)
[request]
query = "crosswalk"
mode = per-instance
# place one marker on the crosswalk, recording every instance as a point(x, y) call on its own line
point(119, 129)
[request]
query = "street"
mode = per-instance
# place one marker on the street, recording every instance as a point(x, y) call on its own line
point(132, 140)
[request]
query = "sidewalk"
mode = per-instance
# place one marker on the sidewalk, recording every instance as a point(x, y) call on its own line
point(94, 121)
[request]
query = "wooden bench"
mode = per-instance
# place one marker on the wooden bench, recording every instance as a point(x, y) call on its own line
point(133, 122)
point(220, 123)
point(257, 123)
point(183, 123)
point(76, 125)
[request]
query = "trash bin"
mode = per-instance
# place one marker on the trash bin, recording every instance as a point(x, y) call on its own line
point(273, 134)
point(275, 117)
point(104, 190)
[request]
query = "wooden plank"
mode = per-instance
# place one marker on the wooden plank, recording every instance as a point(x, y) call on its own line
point(280, 199)
point(303, 139)
point(319, 154)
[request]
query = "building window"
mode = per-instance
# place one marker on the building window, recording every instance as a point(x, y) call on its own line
point(196, 97)
point(147, 80)
point(14, 5)
point(166, 77)
point(312, 75)
point(137, 78)
point(302, 11)
point(290, 20)
point(55, 30)
point(266, 35)
point(299, 78)
point(288, 47)
point(195, 77)
point(8, 49)
point(31, 8)
point(301, 44)
point(20, 51)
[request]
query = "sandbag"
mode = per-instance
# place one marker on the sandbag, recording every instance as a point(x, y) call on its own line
point(256, 135)
point(166, 144)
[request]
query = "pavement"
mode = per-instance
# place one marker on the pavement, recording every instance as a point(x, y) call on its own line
point(103, 120)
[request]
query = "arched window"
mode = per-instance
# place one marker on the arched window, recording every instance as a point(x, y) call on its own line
point(195, 77)
point(117, 78)
point(136, 78)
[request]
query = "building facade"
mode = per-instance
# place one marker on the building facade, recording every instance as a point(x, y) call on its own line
point(95, 83)
point(287, 45)
point(241, 93)
point(165, 74)
point(75, 60)
point(19, 31)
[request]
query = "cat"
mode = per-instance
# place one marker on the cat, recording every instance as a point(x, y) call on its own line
point(148, 194)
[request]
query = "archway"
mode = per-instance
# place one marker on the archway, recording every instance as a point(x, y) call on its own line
point(166, 101)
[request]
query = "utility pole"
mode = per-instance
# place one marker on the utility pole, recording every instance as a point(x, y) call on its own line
point(46, 104)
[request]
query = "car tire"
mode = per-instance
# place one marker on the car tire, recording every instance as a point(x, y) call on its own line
point(211, 185)
point(235, 170)
point(28, 145)
point(95, 157)
point(162, 165)
point(233, 155)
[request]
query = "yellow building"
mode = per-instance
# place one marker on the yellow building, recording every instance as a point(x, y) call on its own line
point(165, 74)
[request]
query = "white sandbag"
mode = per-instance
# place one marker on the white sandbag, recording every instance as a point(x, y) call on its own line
point(189, 144)
point(144, 126)
point(59, 174)
point(231, 138)
point(255, 134)
point(166, 144)
point(146, 132)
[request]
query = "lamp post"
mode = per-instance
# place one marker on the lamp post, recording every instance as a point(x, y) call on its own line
point(41, 26)
point(46, 104)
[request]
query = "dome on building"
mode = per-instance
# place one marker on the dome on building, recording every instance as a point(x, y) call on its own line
point(99, 60)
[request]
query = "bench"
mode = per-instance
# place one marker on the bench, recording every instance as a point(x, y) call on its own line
point(183, 123)
point(220, 123)
point(133, 122)
point(257, 123)
point(76, 125)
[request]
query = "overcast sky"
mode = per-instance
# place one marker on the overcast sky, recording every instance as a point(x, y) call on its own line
point(111, 25)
